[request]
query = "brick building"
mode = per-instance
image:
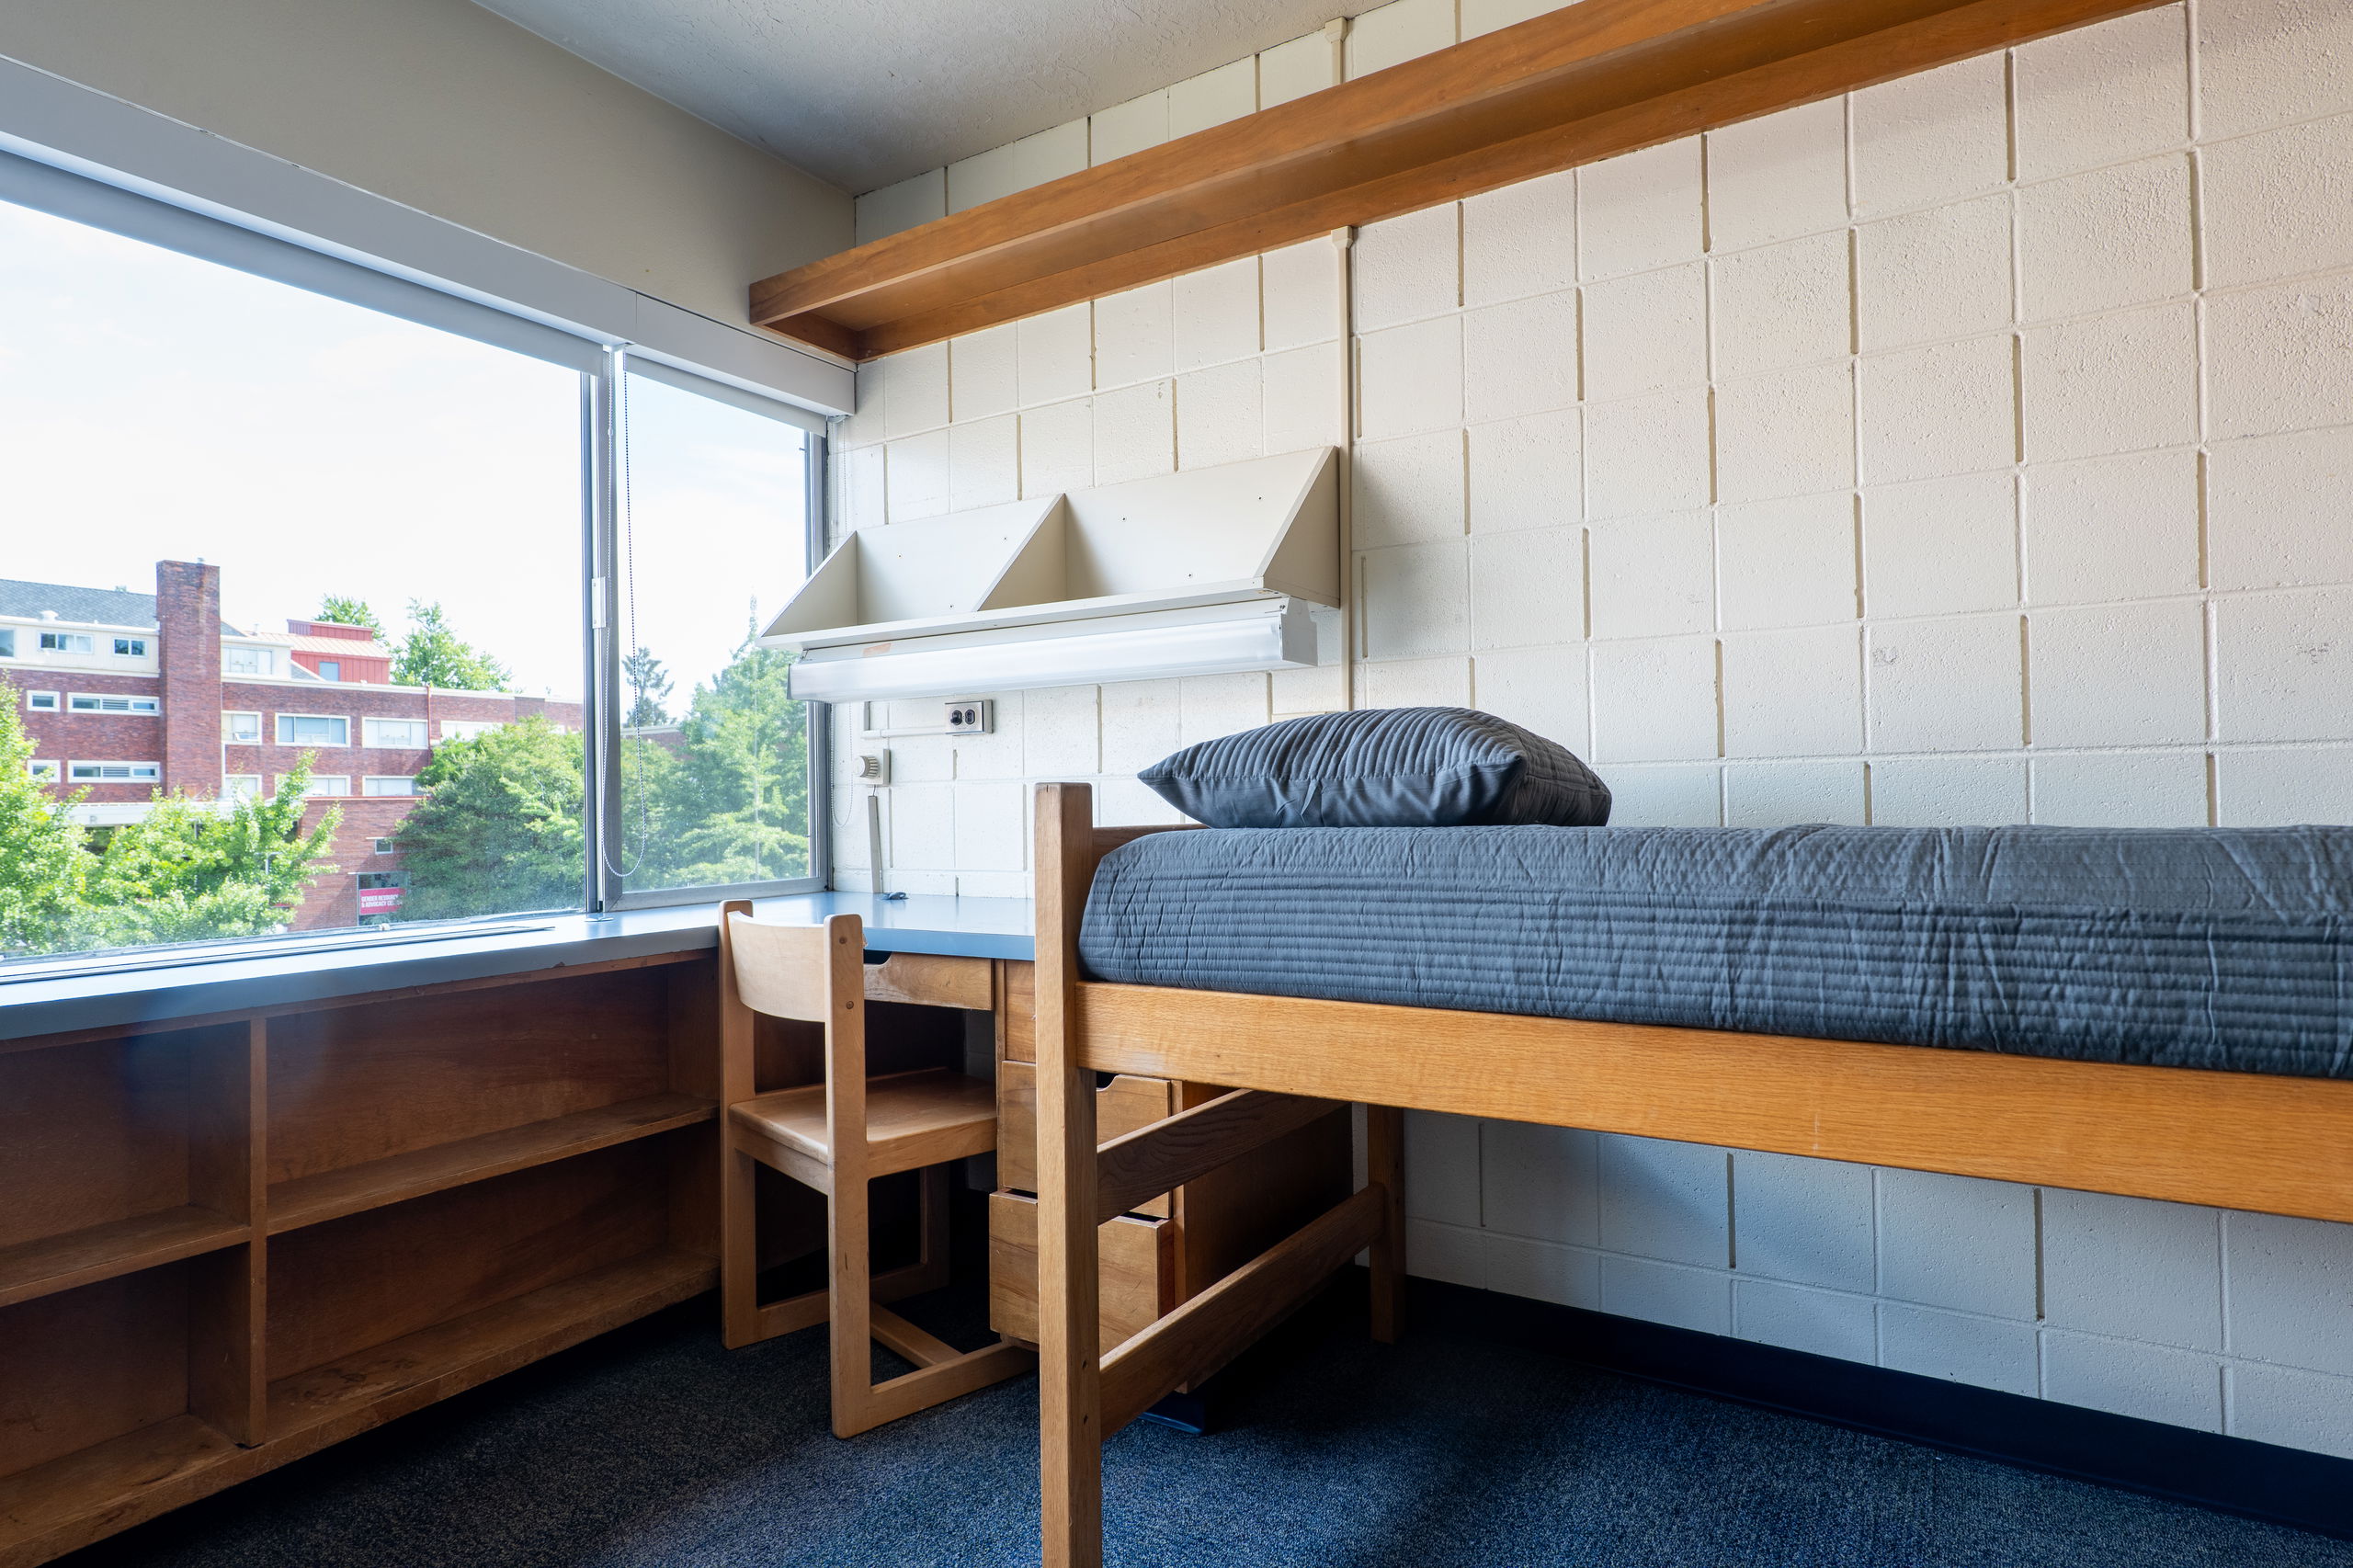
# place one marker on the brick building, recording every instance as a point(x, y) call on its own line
point(128, 694)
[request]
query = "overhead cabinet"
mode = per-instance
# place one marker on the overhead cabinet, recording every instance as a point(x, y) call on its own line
point(1199, 573)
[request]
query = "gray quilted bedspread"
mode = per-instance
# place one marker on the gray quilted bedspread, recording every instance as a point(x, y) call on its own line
point(2226, 948)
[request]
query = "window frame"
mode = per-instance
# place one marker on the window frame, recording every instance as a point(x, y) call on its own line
point(154, 774)
point(230, 780)
point(407, 778)
point(131, 647)
point(33, 703)
point(132, 699)
point(62, 643)
point(264, 659)
point(254, 714)
point(367, 740)
point(601, 618)
point(56, 774)
point(277, 723)
point(315, 793)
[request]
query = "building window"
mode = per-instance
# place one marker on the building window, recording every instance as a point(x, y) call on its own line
point(115, 772)
point(326, 784)
point(379, 896)
point(241, 729)
point(239, 786)
point(131, 647)
point(394, 735)
point(41, 770)
point(384, 846)
point(313, 730)
point(41, 701)
point(330, 669)
point(109, 702)
point(467, 729)
point(7, 641)
point(383, 784)
point(65, 643)
point(248, 662)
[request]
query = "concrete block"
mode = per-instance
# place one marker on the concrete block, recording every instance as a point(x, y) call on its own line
point(1781, 176)
point(2294, 1409)
point(1525, 473)
point(1654, 701)
point(2103, 93)
point(1646, 332)
point(1796, 1318)
point(1135, 432)
point(1482, 16)
point(1640, 211)
point(1956, 1242)
point(1302, 398)
point(1542, 689)
point(2117, 675)
point(982, 381)
point(1135, 335)
point(1948, 684)
point(1932, 137)
point(2117, 527)
point(1054, 353)
point(1058, 447)
point(1647, 455)
point(862, 488)
point(912, 389)
point(2181, 1387)
point(1453, 1254)
point(2284, 664)
point(1017, 165)
point(1541, 1182)
point(1415, 683)
point(1790, 794)
point(2275, 510)
point(2114, 384)
point(1409, 489)
point(1409, 379)
point(2120, 790)
point(1942, 547)
point(2281, 787)
point(1786, 433)
point(1217, 415)
point(984, 462)
point(1527, 588)
point(1660, 1293)
point(1293, 70)
point(1521, 240)
point(1299, 293)
point(1216, 312)
point(990, 825)
point(1670, 1201)
point(1946, 409)
point(1392, 34)
point(1985, 1352)
point(1785, 562)
point(1781, 305)
point(2105, 240)
point(1061, 732)
point(917, 200)
point(1949, 792)
point(1797, 693)
point(1415, 600)
point(1543, 1271)
point(917, 476)
point(1131, 126)
point(1409, 268)
point(1209, 707)
point(1213, 97)
point(1139, 724)
point(2276, 359)
point(1520, 357)
point(1682, 795)
point(2290, 1290)
point(1651, 577)
point(1442, 1163)
point(920, 829)
point(2130, 1268)
point(2270, 61)
point(1938, 273)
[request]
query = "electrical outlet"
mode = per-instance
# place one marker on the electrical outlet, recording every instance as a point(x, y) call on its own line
point(874, 767)
point(974, 717)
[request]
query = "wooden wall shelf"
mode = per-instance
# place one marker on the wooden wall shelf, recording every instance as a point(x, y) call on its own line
point(114, 1248)
point(1584, 82)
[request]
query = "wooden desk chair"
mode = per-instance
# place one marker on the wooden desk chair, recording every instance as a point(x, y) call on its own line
point(836, 1136)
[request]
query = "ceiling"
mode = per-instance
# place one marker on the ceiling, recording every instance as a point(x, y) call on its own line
point(863, 93)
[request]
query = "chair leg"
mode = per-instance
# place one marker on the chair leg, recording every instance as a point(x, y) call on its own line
point(1384, 1147)
point(849, 1291)
point(739, 1249)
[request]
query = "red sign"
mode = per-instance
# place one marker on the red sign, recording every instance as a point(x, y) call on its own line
point(379, 901)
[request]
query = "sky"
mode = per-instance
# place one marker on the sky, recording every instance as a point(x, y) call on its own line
point(153, 406)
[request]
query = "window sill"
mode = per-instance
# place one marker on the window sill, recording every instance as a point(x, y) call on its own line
point(51, 1004)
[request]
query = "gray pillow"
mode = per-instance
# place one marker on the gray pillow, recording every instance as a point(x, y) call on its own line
point(1381, 767)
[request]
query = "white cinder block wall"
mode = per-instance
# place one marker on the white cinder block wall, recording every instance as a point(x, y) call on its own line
point(1978, 449)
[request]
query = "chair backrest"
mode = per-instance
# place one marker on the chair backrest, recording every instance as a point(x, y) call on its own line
point(789, 971)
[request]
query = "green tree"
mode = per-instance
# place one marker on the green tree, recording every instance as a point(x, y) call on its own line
point(43, 861)
point(432, 655)
point(194, 870)
point(643, 674)
point(499, 828)
point(734, 807)
point(341, 611)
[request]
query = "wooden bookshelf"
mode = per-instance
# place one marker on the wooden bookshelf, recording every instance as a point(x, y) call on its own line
point(117, 1246)
point(1576, 85)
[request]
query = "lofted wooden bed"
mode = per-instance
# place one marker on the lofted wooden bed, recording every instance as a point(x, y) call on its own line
point(2281, 1146)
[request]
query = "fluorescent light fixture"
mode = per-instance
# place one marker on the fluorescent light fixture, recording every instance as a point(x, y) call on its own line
point(1204, 640)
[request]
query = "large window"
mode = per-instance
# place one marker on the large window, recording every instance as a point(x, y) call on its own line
point(544, 562)
point(712, 763)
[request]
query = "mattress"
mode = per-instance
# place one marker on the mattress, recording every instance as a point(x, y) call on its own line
point(2227, 949)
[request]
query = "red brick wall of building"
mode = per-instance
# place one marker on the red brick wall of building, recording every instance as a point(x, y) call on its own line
point(65, 737)
point(333, 901)
point(187, 616)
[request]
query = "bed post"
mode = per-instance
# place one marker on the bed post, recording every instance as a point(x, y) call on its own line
point(1070, 1394)
point(1384, 1166)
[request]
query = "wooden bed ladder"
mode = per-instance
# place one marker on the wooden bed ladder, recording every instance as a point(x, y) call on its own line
point(1084, 1395)
point(836, 1136)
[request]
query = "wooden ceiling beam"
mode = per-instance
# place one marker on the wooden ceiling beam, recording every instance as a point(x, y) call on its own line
point(1587, 81)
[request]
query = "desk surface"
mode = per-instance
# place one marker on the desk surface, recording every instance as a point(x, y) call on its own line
point(51, 1003)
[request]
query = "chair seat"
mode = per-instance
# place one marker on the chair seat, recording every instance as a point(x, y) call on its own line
point(912, 1119)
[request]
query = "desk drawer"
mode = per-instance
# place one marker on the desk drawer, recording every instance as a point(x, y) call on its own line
point(1121, 1105)
point(933, 980)
point(1138, 1270)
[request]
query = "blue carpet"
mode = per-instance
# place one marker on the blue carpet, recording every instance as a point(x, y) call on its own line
point(654, 1447)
